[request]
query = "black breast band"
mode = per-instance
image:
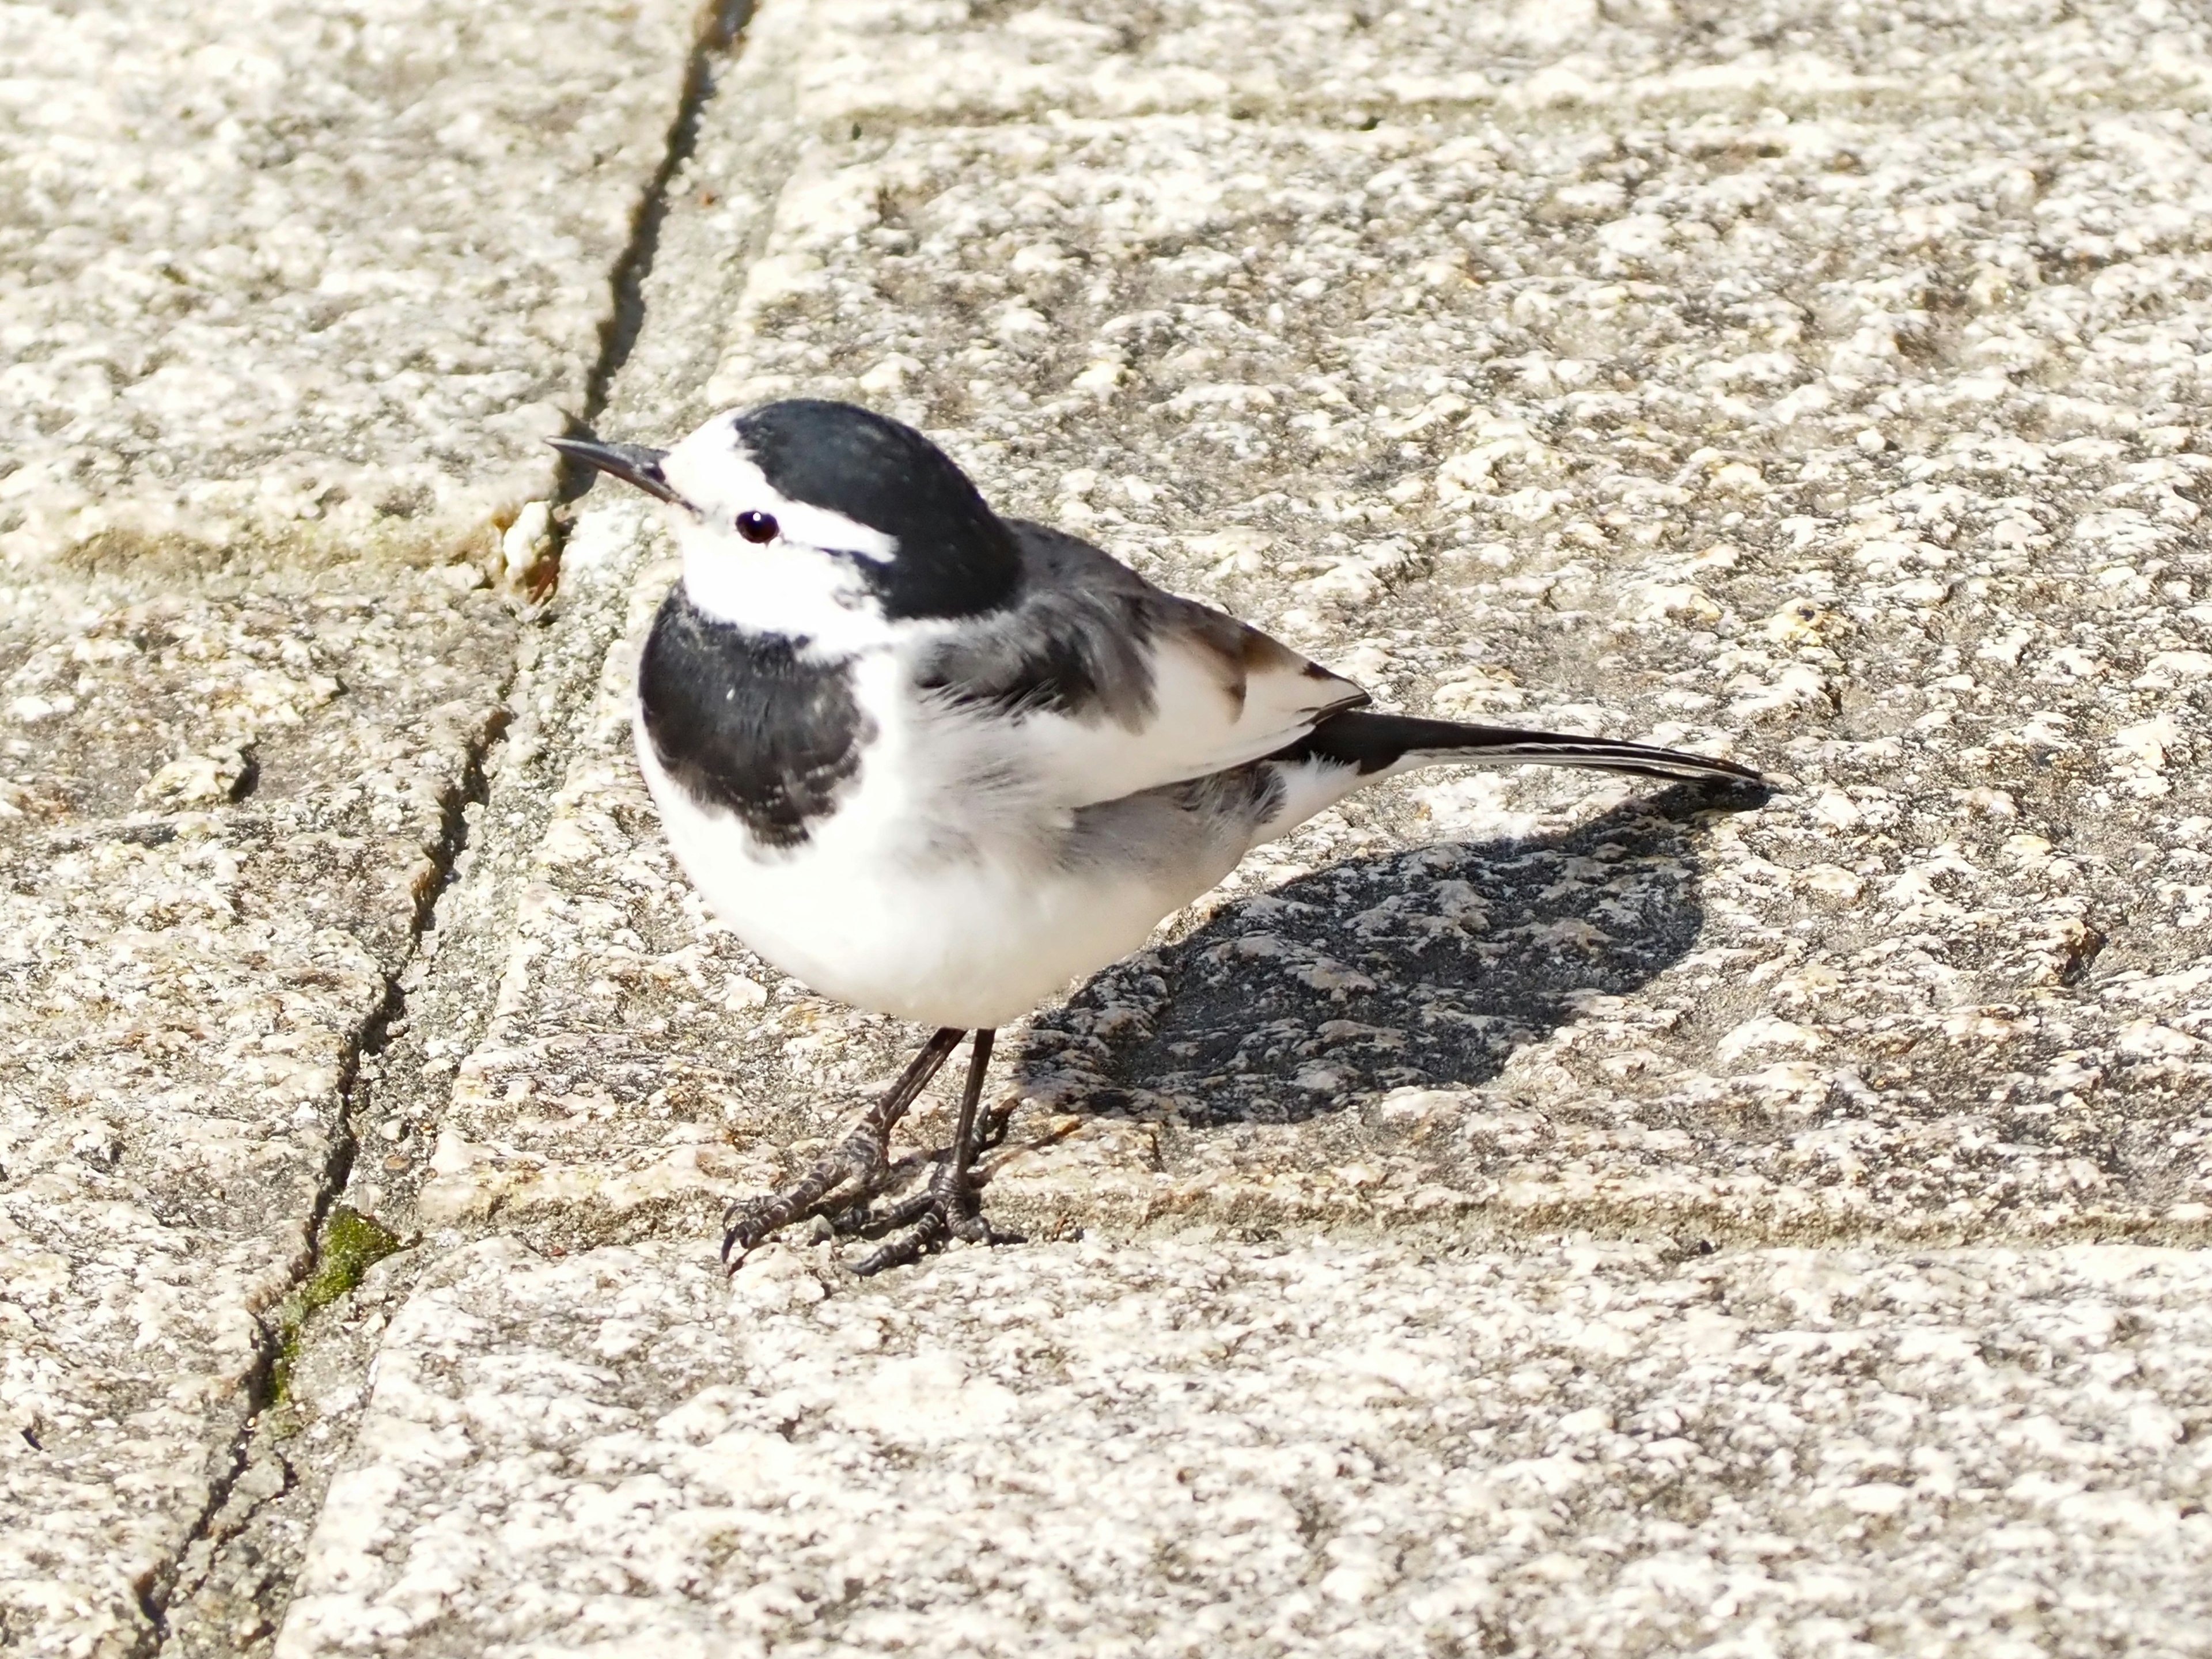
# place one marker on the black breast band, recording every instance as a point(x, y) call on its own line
point(744, 723)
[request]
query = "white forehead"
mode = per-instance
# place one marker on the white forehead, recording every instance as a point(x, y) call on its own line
point(711, 470)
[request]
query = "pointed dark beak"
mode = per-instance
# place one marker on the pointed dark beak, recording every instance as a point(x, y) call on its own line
point(633, 463)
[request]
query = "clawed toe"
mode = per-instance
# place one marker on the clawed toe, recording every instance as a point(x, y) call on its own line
point(948, 1208)
point(745, 1225)
point(846, 1178)
point(751, 1222)
point(838, 1192)
point(850, 1174)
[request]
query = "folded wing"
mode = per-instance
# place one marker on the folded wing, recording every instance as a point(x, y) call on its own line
point(1107, 685)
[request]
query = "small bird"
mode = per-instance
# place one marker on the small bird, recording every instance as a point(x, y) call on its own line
point(936, 763)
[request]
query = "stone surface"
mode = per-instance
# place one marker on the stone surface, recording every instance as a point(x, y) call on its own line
point(287, 297)
point(273, 270)
point(1330, 64)
point(1856, 449)
point(235, 1580)
point(1185, 1448)
point(188, 986)
point(1825, 396)
point(1820, 384)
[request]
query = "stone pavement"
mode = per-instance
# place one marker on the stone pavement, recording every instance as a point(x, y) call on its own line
point(1519, 1213)
point(287, 297)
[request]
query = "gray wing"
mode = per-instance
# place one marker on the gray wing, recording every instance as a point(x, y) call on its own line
point(1112, 685)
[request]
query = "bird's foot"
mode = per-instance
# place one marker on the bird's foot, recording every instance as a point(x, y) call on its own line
point(852, 1173)
point(848, 1176)
point(838, 1191)
point(949, 1207)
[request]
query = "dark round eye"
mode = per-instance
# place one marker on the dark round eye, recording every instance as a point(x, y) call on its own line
point(756, 526)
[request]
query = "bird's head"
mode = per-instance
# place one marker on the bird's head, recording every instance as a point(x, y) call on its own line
point(820, 520)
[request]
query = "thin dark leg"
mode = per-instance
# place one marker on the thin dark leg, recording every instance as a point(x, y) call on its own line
point(859, 1158)
point(964, 1134)
point(949, 1207)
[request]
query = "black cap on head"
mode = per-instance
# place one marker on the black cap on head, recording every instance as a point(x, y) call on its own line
point(955, 558)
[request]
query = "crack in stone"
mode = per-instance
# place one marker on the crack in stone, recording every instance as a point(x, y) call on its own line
point(721, 27)
point(158, 1592)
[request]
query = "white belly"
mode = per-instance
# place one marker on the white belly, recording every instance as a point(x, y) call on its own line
point(863, 911)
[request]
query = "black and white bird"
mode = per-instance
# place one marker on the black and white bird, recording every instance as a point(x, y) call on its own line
point(936, 763)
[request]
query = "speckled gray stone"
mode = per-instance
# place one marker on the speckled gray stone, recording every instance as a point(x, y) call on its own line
point(273, 270)
point(286, 298)
point(1819, 385)
point(1821, 394)
point(187, 981)
point(1859, 448)
point(882, 64)
point(1183, 1448)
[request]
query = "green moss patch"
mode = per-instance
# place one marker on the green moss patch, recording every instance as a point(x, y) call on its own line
point(351, 1243)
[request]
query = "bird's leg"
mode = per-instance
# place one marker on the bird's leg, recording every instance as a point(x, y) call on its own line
point(949, 1207)
point(859, 1158)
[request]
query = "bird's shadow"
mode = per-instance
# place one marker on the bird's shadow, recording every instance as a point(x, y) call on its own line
point(1423, 967)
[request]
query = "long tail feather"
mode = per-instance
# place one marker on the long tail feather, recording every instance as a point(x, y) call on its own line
point(1378, 742)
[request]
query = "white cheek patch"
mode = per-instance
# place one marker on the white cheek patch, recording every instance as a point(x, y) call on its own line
point(779, 588)
point(808, 581)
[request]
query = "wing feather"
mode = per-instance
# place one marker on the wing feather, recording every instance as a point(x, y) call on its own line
point(1107, 685)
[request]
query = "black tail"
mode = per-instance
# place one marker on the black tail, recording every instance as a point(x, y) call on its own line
point(1374, 742)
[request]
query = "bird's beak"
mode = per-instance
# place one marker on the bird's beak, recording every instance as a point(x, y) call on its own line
point(633, 463)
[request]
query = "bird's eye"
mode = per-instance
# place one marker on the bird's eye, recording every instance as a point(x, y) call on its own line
point(756, 526)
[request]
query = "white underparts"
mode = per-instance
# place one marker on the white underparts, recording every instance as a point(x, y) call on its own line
point(947, 888)
point(972, 932)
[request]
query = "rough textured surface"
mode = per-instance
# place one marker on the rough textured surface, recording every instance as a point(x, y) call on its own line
point(286, 296)
point(1822, 393)
point(1857, 449)
point(186, 992)
point(271, 268)
point(235, 1579)
point(1817, 384)
point(1342, 65)
point(1189, 1448)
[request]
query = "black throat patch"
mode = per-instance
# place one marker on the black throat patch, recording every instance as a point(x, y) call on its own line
point(744, 723)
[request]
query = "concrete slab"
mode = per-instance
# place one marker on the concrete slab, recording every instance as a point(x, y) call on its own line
point(239, 1579)
point(190, 981)
point(884, 64)
point(1824, 397)
point(1905, 518)
point(1824, 393)
point(1186, 1448)
point(287, 297)
point(281, 270)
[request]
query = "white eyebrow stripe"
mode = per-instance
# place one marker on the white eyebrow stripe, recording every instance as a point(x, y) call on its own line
point(819, 527)
point(720, 477)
